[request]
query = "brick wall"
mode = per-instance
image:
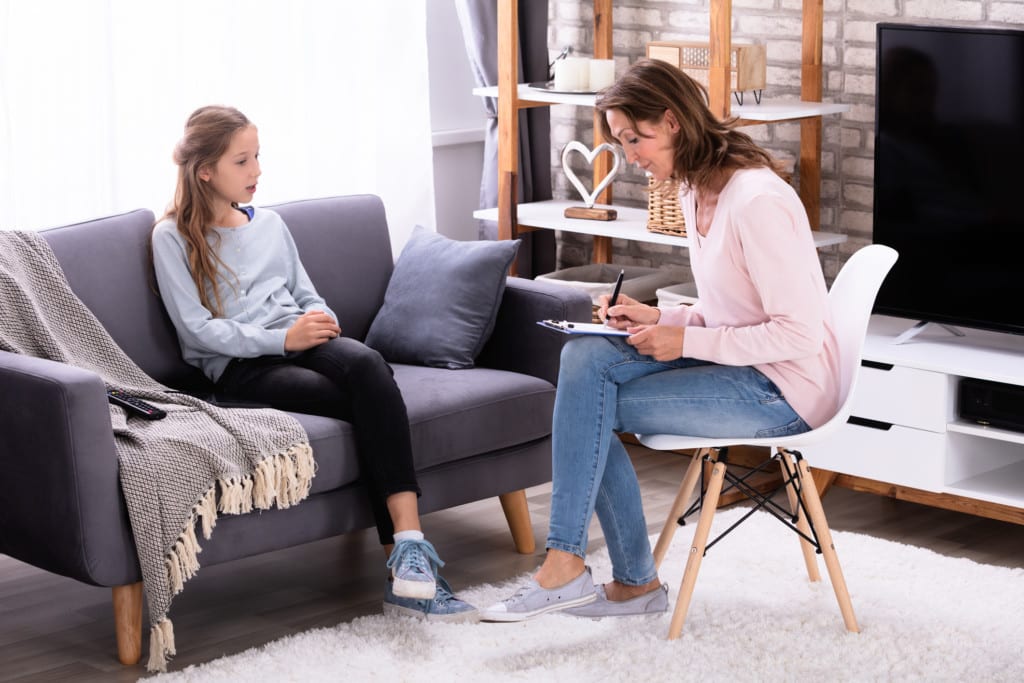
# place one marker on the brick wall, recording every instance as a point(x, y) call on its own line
point(848, 55)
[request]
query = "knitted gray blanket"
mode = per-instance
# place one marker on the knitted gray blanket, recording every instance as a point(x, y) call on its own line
point(176, 472)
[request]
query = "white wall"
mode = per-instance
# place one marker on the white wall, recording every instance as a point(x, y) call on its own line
point(457, 121)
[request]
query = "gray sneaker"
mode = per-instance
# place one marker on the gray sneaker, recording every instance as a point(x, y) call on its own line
point(652, 602)
point(532, 600)
point(444, 606)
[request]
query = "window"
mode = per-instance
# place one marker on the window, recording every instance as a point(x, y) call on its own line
point(93, 97)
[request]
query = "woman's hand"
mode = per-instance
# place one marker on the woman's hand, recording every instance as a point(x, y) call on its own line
point(312, 328)
point(660, 342)
point(627, 312)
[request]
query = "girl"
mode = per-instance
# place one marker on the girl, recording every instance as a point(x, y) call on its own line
point(249, 317)
point(755, 356)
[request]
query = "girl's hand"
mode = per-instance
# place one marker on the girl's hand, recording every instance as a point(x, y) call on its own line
point(312, 328)
point(661, 342)
point(627, 312)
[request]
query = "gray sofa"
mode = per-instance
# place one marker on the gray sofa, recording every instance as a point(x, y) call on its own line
point(476, 433)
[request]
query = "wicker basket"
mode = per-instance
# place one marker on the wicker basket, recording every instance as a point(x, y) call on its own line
point(664, 214)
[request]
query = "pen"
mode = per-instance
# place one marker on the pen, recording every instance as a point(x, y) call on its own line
point(618, 286)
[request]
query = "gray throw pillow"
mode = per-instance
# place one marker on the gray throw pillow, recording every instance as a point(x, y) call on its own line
point(442, 300)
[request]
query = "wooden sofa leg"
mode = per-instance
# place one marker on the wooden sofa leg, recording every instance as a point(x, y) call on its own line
point(517, 513)
point(128, 622)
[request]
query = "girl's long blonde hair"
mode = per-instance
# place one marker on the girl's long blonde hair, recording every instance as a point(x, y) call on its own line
point(208, 133)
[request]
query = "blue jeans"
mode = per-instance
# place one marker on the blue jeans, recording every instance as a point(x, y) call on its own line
point(605, 386)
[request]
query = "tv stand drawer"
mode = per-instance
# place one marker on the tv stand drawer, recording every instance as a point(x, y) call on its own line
point(890, 453)
point(903, 396)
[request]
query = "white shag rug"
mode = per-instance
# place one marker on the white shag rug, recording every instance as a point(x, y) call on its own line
point(754, 616)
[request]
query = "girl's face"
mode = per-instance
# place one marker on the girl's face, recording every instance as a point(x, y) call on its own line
point(650, 146)
point(233, 177)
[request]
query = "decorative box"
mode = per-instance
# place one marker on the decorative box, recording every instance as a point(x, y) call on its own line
point(747, 64)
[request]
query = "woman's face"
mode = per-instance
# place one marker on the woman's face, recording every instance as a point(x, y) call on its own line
point(650, 145)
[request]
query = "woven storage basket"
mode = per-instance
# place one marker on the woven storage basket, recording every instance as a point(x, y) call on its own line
point(664, 214)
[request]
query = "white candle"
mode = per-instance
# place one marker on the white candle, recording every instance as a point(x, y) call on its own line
point(602, 73)
point(582, 66)
point(565, 75)
point(572, 73)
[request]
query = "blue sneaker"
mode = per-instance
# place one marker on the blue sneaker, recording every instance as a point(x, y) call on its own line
point(413, 566)
point(443, 606)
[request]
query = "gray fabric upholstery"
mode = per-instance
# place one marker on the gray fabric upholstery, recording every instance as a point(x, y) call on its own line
point(456, 415)
point(477, 433)
point(440, 305)
point(346, 249)
point(108, 266)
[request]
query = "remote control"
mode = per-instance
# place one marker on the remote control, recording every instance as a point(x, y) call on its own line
point(135, 405)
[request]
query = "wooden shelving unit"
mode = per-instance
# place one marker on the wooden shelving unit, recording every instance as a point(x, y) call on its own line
point(513, 96)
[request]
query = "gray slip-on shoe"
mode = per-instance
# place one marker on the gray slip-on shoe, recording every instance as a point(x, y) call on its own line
point(653, 602)
point(532, 600)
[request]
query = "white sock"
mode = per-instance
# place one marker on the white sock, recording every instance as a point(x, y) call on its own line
point(410, 535)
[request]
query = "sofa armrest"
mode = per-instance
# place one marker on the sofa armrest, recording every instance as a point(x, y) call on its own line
point(518, 343)
point(61, 507)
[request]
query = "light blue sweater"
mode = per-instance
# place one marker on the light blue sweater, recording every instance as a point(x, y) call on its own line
point(265, 292)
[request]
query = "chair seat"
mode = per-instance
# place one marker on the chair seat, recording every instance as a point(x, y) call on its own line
point(673, 442)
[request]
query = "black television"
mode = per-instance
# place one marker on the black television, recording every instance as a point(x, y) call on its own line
point(949, 174)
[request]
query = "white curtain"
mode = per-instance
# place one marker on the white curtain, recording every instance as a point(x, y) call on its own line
point(93, 97)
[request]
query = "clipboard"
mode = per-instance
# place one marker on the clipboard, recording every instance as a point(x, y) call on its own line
point(566, 327)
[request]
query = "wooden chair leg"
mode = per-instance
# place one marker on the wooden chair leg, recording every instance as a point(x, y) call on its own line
point(128, 622)
point(700, 540)
point(679, 506)
point(517, 513)
point(835, 573)
point(810, 559)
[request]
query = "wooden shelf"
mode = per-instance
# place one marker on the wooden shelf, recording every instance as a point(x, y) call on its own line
point(630, 225)
point(513, 96)
point(526, 95)
point(766, 112)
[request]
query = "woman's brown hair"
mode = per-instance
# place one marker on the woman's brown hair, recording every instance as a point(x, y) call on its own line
point(704, 145)
point(208, 133)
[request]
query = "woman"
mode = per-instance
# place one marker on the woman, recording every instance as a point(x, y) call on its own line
point(755, 356)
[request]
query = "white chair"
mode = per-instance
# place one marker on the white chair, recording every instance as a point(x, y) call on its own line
point(850, 301)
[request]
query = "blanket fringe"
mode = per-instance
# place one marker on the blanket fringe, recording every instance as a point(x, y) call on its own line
point(161, 645)
point(206, 510)
point(284, 479)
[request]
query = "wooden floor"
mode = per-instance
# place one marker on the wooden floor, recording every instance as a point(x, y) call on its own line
point(52, 628)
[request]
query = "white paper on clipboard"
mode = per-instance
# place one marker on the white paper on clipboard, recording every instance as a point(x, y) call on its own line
point(566, 327)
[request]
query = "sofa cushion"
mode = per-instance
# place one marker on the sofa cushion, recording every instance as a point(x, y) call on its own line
point(334, 451)
point(455, 415)
point(440, 305)
point(452, 415)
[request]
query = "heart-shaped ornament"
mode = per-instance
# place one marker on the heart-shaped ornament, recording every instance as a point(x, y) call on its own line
point(589, 155)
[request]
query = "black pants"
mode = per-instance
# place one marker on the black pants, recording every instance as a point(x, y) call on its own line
point(344, 379)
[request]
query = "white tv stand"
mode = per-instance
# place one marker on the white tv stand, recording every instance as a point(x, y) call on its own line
point(905, 439)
